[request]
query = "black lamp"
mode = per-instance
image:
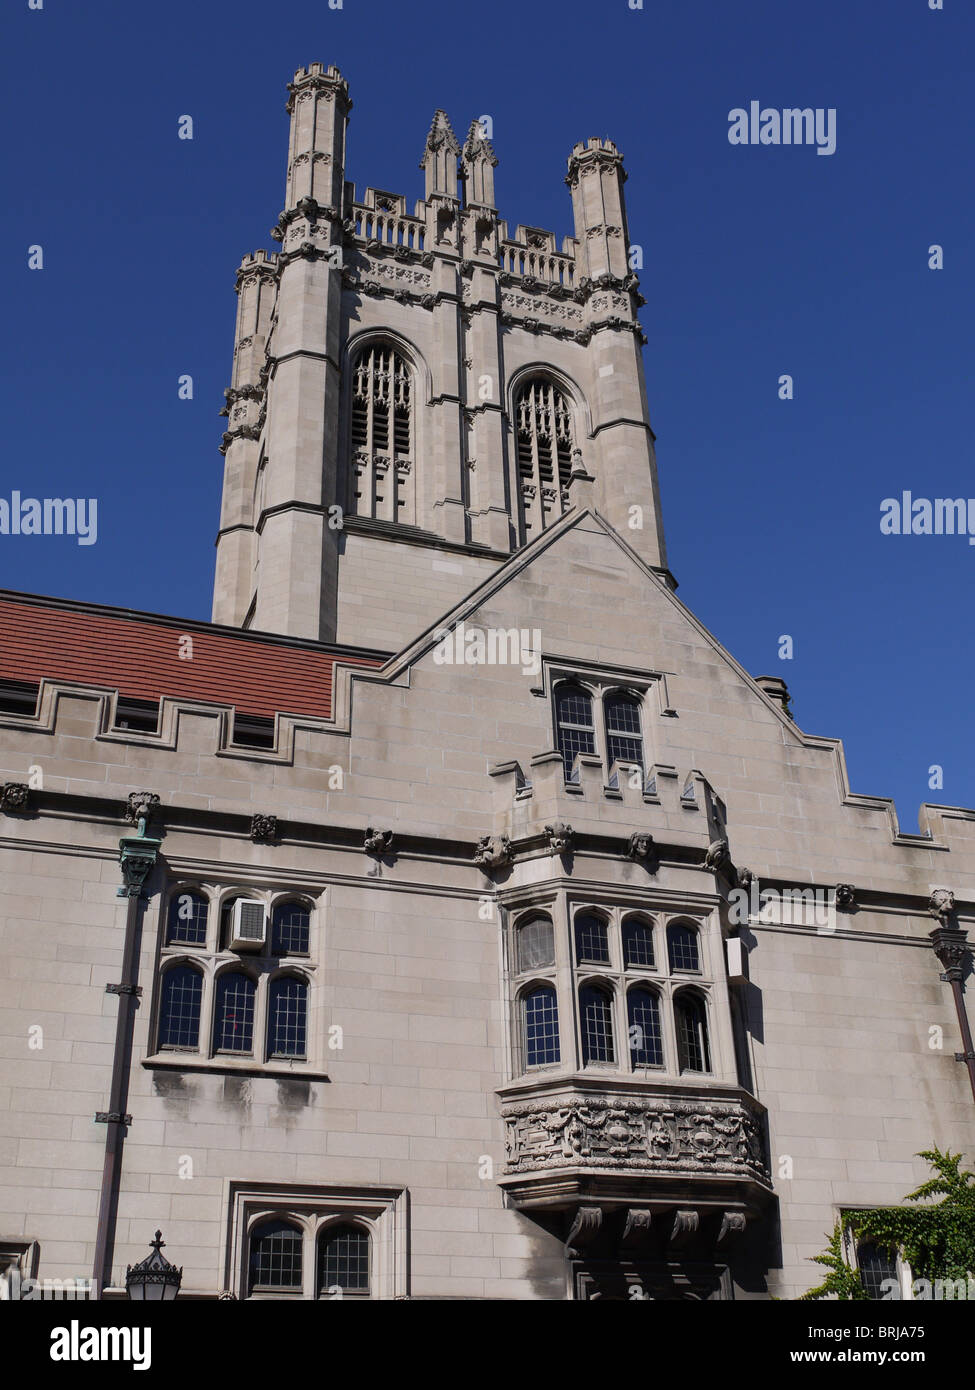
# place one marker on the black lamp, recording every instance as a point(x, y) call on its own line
point(154, 1277)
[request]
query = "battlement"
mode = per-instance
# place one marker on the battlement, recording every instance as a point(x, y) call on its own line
point(532, 253)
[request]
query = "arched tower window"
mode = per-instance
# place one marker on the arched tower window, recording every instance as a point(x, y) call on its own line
point(543, 429)
point(382, 434)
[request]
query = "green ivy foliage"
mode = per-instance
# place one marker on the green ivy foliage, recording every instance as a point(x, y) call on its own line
point(937, 1240)
point(841, 1281)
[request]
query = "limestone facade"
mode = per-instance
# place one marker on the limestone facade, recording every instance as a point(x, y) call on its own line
point(507, 1027)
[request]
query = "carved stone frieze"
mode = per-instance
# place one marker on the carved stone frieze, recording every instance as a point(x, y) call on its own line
point(639, 1134)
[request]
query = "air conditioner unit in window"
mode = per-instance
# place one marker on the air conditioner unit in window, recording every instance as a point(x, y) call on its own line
point(247, 925)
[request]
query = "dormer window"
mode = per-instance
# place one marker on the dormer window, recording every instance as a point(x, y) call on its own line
point(543, 426)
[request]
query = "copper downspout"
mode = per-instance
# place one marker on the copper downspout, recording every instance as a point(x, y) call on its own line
point(137, 855)
point(951, 947)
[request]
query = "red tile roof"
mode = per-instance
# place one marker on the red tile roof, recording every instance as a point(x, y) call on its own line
point(138, 654)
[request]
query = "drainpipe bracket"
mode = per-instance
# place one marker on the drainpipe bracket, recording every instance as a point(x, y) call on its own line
point(124, 989)
point(111, 1117)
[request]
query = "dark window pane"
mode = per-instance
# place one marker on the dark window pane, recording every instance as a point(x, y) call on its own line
point(343, 1260)
point(541, 1024)
point(596, 1010)
point(592, 940)
point(536, 944)
point(876, 1265)
point(646, 1041)
point(179, 1013)
point(233, 1019)
point(682, 947)
point(290, 932)
point(287, 1018)
point(624, 741)
point(575, 730)
point(275, 1259)
point(638, 943)
point(187, 920)
point(692, 1033)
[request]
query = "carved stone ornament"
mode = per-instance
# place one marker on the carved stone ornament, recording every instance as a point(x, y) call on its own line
point(746, 877)
point(718, 856)
point(732, 1226)
point(640, 847)
point(941, 904)
point(264, 829)
point(640, 1134)
point(378, 841)
point(14, 797)
point(638, 1228)
point(584, 1229)
point(140, 806)
point(684, 1224)
point(493, 852)
point(846, 896)
point(560, 837)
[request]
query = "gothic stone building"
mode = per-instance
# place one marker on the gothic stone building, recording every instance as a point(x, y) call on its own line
point(384, 937)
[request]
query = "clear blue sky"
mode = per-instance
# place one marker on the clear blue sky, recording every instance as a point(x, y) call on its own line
point(758, 262)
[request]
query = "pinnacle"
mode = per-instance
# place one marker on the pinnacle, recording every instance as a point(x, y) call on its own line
point(441, 133)
point(477, 145)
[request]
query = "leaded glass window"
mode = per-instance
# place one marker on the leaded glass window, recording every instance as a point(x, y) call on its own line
point(540, 1022)
point(275, 1258)
point(574, 726)
point(877, 1265)
point(179, 1011)
point(645, 1035)
point(690, 1025)
point(188, 914)
point(287, 1018)
point(596, 1014)
point(536, 944)
point(638, 943)
point(592, 940)
point(290, 929)
point(343, 1260)
point(624, 738)
point(233, 1017)
point(682, 947)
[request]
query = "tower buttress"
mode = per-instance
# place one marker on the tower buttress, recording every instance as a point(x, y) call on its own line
point(245, 408)
point(627, 472)
point(297, 550)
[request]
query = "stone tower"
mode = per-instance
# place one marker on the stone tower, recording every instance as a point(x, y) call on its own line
point(416, 395)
